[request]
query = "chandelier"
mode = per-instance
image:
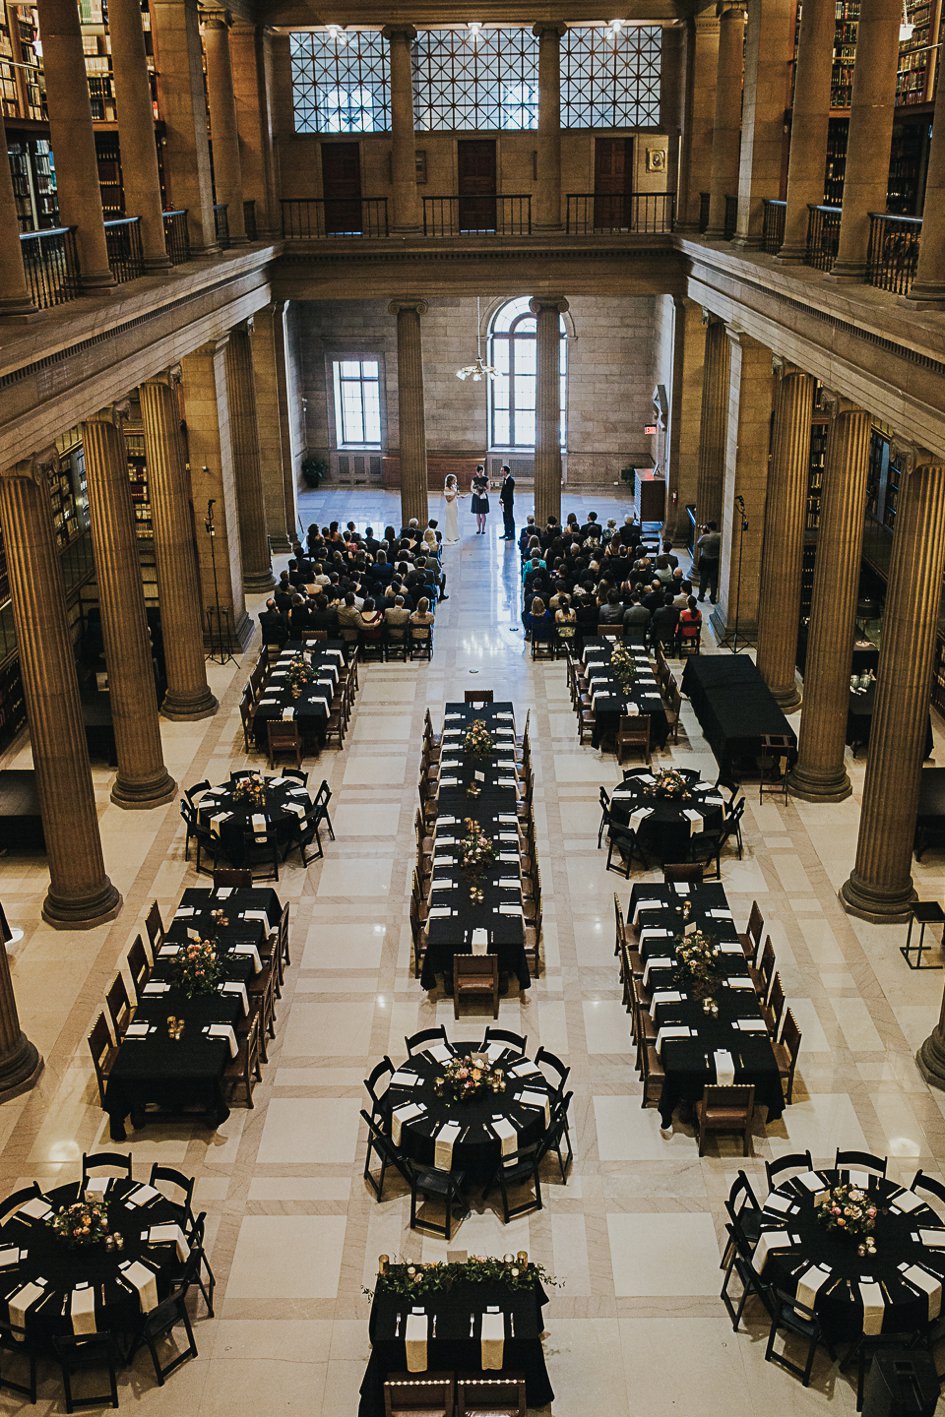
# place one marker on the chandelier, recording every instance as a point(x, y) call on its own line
point(480, 370)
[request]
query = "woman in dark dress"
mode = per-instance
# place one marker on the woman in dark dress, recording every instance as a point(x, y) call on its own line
point(480, 499)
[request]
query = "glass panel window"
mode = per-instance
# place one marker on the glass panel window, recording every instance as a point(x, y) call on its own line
point(610, 79)
point(357, 403)
point(466, 82)
point(340, 84)
point(512, 394)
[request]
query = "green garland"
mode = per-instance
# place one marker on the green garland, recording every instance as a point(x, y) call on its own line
point(434, 1278)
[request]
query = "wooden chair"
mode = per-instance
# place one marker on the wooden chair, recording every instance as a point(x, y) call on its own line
point(420, 641)
point(119, 1006)
point(478, 696)
point(785, 1053)
point(418, 934)
point(633, 733)
point(283, 737)
point(138, 965)
point(314, 637)
point(154, 926)
point(762, 975)
point(751, 940)
point(774, 760)
point(651, 1068)
point(476, 976)
point(689, 644)
point(725, 1109)
point(244, 1071)
point(774, 1005)
point(846, 1157)
point(533, 941)
point(103, 1053)
point(116, 1163)
point(688, 871)
point(247, 715)
point(430, 1395)
point(610, 632)
point(336, 725)
point(587, 722)
point(491, 1395)
point(672, 708)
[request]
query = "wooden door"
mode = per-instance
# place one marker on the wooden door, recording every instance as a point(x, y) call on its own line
point(341, 187)
point(613, 180)
point(476, 167)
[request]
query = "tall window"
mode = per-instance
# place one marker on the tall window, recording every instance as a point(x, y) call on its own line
point(357, 403)
point(610, 79)
point(513, 351)
point(472, 82)
point(340, 84)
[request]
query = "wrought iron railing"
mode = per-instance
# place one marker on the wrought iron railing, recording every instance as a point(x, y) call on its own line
point(221, 221)
point(893, 252)
point(478, 214)
point(177, 236)
point(123, 240)
point(823, 237)
point(589, 212)
point(51, 265)
point(311, 218)
point(731, 218)
point(703, 210)
point(249, 218)
point(772, 231)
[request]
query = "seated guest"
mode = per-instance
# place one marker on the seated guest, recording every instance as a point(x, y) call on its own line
point(664, 622)
point(535, 561)
point(586, 612)
point(682, 590)
point(668, 553)
point(274, 628)
point(636, 619)
point(690, 622)
point(653, 597)
point(421, 620)
point(663, 571)
point(611, 612)
point(397, 618)
point(565, 619)
point(321, 616)
point(298, 617)
point(538, 619)
point(349, 620)
point(529, 530)
point(372, 621)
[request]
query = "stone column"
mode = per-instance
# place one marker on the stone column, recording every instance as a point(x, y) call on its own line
point(139, 164)
point(414, 496)
point(188, 695)
point(227, 174)
point(80, 894)
point(20, 1062)
point(783, 549)
point(819, 774)
point(726, 132)
point(695, 159)
point(685, 412)
point(711, 466)
point(251, 62)
point(744, 488)
point(15, 298)
point(548, 314)
point(244, 425)
point(73, 141)
point(142, 779)
point(929, 284)
point(272, 405)
point(548, 196)
point(870, 136)
point(175, 32)
point(673, 57)
point(761, 160)
point(807, 157)
point(403, 145)
point(879, 887)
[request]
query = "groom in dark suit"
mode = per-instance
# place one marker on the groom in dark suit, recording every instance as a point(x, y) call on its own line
point(507, 498)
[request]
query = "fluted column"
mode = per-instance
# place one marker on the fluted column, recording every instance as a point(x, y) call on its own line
point(403, 144)
point(273, 406)
point(685, 414)
point(810, 115)
point(783, 550)
point(139, 164)
point(695, 160)
point(761, 158)
point(548, 314)
point(15, 297)
point(80, 894)
point(866, 173)
point(819, 775)
point(929, 284)
point(548, 196)
point(73, 141)
point(712, 421)
point(188, 695)
point(244, 424)
point(227, 174)
point(175, 32)
point(142, 779)
point(20, 1062)
point(726, 133)
point(414, 497)
point(879, 887)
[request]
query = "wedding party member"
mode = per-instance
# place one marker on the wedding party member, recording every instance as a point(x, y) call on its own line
point(451, 496)
point(507, 498)
point(480, 498)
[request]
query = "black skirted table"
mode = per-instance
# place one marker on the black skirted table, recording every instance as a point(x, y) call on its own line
point(478, 1132)
point(231, 817)
point(51, 1289)
point(611, 700)
point(735, 708)
point(930, 818)
point(896, 1290)
point(860, 719)
point(670, 813)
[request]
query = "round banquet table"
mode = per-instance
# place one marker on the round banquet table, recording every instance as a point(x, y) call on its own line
point(477, 1150)
point(44, 1256)
point(283, 796)
point(666, 833)
point(796, 1240)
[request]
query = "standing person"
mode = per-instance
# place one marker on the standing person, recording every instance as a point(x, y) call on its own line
point(451, 496)
point(480, 498)
point(710, 546)
point(507, 498)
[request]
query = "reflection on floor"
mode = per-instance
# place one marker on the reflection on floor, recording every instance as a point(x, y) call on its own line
point(635, 1236)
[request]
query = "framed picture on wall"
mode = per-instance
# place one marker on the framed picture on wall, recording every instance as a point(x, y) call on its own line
point(656, 159)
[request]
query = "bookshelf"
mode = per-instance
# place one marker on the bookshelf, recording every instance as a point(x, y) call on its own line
point(109, 175)
point(938, 674)
point(844, 53)
point(815, 478)
point(890, 503)
point(138, 475)
point(876, 473)
point(915, 79)
point(835, 167)
point(12, 702)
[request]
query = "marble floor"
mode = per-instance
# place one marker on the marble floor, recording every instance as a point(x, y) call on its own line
point(636, 1326)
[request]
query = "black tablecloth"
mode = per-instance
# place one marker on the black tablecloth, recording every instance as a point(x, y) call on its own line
point(666, 833)
point(735, 708)
point(688, 1063)
point(235, 901)
point(43, 1255)
point(283, 797)
point(930, 819)
point(453, 1349)
point(312, 707)
point(476, 1152)
point(860, 719)
point(838, 1302)
point(611, 700)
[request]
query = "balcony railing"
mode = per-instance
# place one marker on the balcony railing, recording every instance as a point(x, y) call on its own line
point(479, 214)
point(589, 212)
point(177, 236)
point(703, 210)
point(311, 218)
point(249, 219)
point(772, 231)
point(731, 218)
point(51, 265)
point(823, 237)
point(221, 221)
point(123, 240)
point(893, 252)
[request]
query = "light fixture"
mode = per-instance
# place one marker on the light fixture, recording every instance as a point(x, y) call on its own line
point(337, 34)
point(906, 27)
point(480, 370)
point(474, 27)
point(615, 27)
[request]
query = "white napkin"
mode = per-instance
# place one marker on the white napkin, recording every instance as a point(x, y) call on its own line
point(646, 903)
point(508, 1136)
point(874, 1307)
point(170, 1234)
point(255, 915)
point(415, 1338)
point(234, 986)
point(441, 883)
point(441, 1052)
point(97, 1186)
point(664, 996)
point(168, 951)
point(654, 932)
point(536, 1099)
point(401, 1116)
point(184, 912)
point(695, 819)
point(252, 951)
point(928, 1283)
point(288, 713)
point(811, 1282)
point(143, 1281)
point(933, 1239)
point(859, 1178)
point(655, 964)
point(724, 1067)
point(404, 1079)
point(9, 1256)
point(259, 822)
point(155, 987)
point(295, 807)
point(494, 1051)
point(783, 1205)
point(524, 1069)
point(906, 1201)
point(141, 1195)
point(671, 1030)
point(492, 1340)
point(510, 910)
point(440, 912)
point(810, 1181)
point(639, 816)
point(276, 781)
point(738, 981)
point(772, 1240)
point(719, 914)
point(730, 947)
point(480, 942)
point(24, 1297)
point(751, 1025)
point(82, 1309)
point(445, 1140)
point(137, 1030)
point(223, 1030)
point(223, 892)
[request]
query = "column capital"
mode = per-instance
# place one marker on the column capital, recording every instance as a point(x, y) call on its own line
point(557, 27)
point(213, 347)
point(548, 302)
point(407, 32)
point(168, 378)
point(33, 469)
point(417, 307)
point(216, 19)
point(117, 414)
point(784, 369)
point(910, 456)
point(835, 404)
point(734, 11)
point(737, 336)
point(709, 318)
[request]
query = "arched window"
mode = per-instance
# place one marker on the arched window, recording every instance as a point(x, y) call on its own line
point(513, 351)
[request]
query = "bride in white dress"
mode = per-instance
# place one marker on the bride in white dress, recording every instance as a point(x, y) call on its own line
point(451, 496)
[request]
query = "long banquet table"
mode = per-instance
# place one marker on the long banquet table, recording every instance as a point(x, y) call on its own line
point(734, 706)
point(611, 700)
point(313, 705)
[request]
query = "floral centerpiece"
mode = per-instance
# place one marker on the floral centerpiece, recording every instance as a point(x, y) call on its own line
point(512, 1271)
point(623, 665)
point(669, 783)
point(197, 968)
point(84, 1223)
point(698, 966)
point(251, 790)
point(300, 674)
point(848, 1210)
point(468, 1077)
point(476, 850)
point(477, 743)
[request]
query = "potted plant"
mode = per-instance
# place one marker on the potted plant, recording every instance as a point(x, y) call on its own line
point(314, 469)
